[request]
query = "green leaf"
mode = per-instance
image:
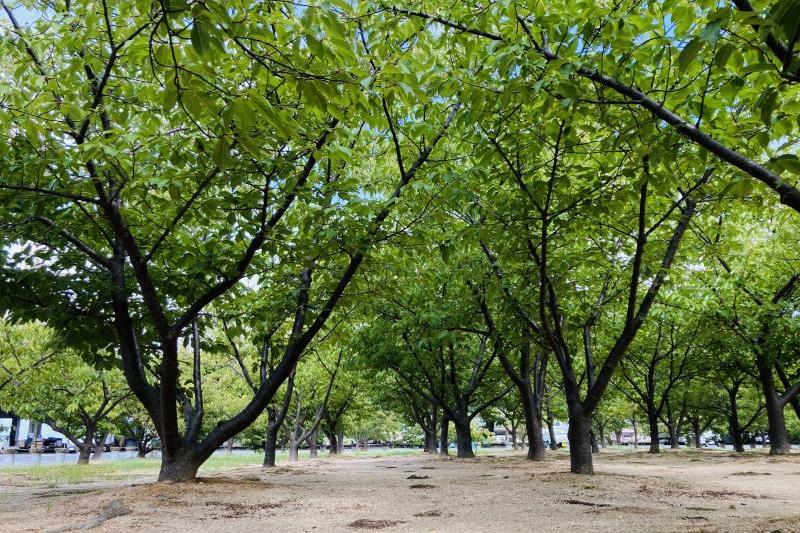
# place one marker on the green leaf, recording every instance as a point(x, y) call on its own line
point(199, 37)
point(711, 32)
point(689, 53)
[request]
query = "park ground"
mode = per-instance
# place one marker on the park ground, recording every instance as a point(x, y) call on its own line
point(686, 490)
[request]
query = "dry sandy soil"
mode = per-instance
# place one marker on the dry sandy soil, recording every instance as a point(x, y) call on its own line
point(685, 491)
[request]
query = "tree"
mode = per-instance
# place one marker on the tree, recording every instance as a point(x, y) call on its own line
point(60, 388)
point(157, 188)
point(657, 368)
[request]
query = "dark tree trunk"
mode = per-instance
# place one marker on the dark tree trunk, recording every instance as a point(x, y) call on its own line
point(464, 440)
point(333, 448)
point(444, 439)
point(513, 437)
point(734, 427)
point(430, 434)
point(552, 431)
point(270, 445)
point(593, 440)
point(778, 436)
point(181, 466)
point(580, 443)
point(12, 433)
point(652, 422)
point(533, 425)
point(696, 431)
point(142, 451)
point(674, 442)
point(618, 436)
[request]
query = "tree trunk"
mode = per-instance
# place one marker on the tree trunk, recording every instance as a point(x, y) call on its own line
point(533, 425)
point(293, 448)
point(99, 448)
point(182, 466)
point(652, 422)
point(142, 451)
point(312, 444)
point(270, 445)
point(464, 440)
point(593, 440)
point(430, 432)
point(635, 434)
point(580, 443)
point(444, 439)
point(734, 427)
point(84, 452)
point(674, 442)
point(339, 441)
point(333, 447)
point(552, 431)
point(514, 438)
point(778, 436)
point(696, 431)
point(618, 436)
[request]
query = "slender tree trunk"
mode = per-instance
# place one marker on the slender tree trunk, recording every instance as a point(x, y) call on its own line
point(580, 442)
point(652, 422)
point(593, 440)
point(312, 444)
point(674, 442)
point(339, 440)
point(778, 436)
point(733, 420)
point(514, 438)
point(430, 433)
point(635, 434)
point(270, 445)
point(552, 431)
point(444, 440)
point(12, 433)
point(618, 436)
point(696, 431)
point(464, 440)
point(533, 425)
point(333, 448)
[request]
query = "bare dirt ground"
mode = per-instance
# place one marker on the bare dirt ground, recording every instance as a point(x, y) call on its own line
point(678, 491)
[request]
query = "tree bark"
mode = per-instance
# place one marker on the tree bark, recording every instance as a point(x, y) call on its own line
point(593, 440)
point(444, 439)
point(552, 431)
point(293, 448)
point(464, 440)
point(270, 444)
point(180, 466)
point(333, 447)
point(696, 431)
point(99, 448)
point(533, 425)
point(778, 436)
point(312, 444)
point(580, 443)
point(652, 422)
point(340, 441)
point(84, 452)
